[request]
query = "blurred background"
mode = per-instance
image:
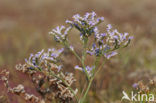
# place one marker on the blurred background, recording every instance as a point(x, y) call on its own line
point(24, 27)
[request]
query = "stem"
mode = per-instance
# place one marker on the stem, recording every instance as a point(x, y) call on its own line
point(83, 89)
point(99, 69)
point(96, 63)
point(90, 82)
point(85, 41)
point(87, 90)
point(67, 45)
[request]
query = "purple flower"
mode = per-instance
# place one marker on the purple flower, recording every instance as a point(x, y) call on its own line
point(86, 16)
point(135, 85)
point(88, 69)
point(89, 52)
point(100, 19)
point(109, 26)
point(78, 68)
point(108, 56)
point(71, 48)
point(69, 22)
point(93, 14)
point(103, 34)
point(94, 45)
point(131, 37)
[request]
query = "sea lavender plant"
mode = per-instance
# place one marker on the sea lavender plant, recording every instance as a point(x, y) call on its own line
point(104, 45)
point(45, 69)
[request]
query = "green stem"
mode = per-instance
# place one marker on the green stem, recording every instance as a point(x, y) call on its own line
point(83, 90)
point(90, 82)
point(96, 63)
point(85, 41)
point(87, 90)
point(68, 46)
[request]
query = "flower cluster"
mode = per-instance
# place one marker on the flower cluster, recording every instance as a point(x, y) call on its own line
point(44, 68)
point(85, 24)
point(44, 59)
point(60, 33)
point(106, 43)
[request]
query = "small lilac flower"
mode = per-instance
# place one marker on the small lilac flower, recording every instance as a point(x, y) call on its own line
point(86, 16)
point(69, 22)
point(60, 50)
point(88, 69)
point(89, 52)
point(77, 18)
point(109, 26)
point(100, 19)
point(135, 85)
point(78, 68)
point(131, 37)
point(94, 45)
point(125, 35)
point(71, 48)
point(96, 31)
point(103, 34)
point(108, 56)
point(58, 30)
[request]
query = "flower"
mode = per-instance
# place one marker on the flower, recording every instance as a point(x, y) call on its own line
point(135, 85)
point(108, 56)
point(88, 69)
point(71, 48)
